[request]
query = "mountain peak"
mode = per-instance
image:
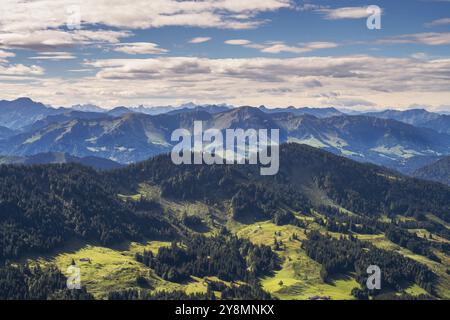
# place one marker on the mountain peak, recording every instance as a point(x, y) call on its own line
point(24, 100)
point(248, 109)
point(21, 101)
point(246, 112)
point(87, 108)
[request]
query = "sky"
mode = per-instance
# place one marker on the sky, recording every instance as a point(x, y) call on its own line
point(276, 53)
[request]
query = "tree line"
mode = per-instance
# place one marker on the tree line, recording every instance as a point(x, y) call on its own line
point(23, 282)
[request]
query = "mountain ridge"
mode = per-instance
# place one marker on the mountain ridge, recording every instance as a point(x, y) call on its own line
point(60, 158)
point(133, 137)
point(438, 171)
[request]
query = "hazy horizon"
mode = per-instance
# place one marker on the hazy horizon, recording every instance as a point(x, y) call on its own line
point(193, 104)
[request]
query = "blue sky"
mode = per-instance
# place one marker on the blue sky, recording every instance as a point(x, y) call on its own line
point(272, 52)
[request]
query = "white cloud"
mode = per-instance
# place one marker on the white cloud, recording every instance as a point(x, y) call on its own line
point(200, 40)
point(20, 70)
point(48, 39)
point(140, 48)
point(139, 14)
point(360, 81)
point(45, 24)
point(16, 71)
point(54, 56)
point(238, 42)
point(344, 13)
point(4, 55)
point(281, 47)
point(428, 38)
point(438, 22)
point(303, 80)
point(263, 69)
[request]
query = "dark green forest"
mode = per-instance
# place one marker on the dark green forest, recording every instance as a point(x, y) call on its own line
point(35, 283)
point(225, 256)
point(365, 189)
point(351, 255)
point(42, 207)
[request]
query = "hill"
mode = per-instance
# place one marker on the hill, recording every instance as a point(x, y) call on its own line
point(22, 112)
point(317, 112)
point(131, 137)
point(59, 157)
point(438, 171)
point(44, 207)
point(367, 139)
point(62, 117)
point(6, 133)
point(417, 117)
point(305, 173)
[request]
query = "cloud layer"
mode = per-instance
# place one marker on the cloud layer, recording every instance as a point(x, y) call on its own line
point(360, 81)
point(140, 48)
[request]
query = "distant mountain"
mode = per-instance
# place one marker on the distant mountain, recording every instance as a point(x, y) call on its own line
point(59, 157)
point(63, 117)
point(23, 112)
point(187, 107)
point(317, 112)
point(119, 111)
point(441, 124)
point(136, 136)
point(132, 137)
point(244, 118)
point(409, 165)
point(87, 108)
point(153, 110)
point(367, 139)
point(205, 108)
point(438, 171)
point(6, 133)
point(417, 117)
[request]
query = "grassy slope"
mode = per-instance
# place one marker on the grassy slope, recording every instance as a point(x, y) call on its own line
point(299, 274)
point(443, 284)
point(116, 269)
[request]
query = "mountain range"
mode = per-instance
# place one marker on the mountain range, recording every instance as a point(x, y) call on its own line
point(402, 140)
point(417, 117)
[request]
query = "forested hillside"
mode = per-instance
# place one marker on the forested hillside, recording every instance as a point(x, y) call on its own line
point(207, 232)
point(42, 207)
point(362, 188)
point(35, 283)
point(438, 171)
